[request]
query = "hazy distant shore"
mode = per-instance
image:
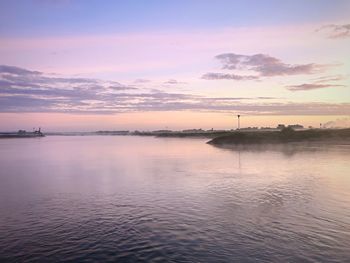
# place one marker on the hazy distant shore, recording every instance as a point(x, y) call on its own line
point(9, 135)
point(219, 137)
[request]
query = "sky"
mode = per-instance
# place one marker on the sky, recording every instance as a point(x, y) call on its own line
point(147, 65)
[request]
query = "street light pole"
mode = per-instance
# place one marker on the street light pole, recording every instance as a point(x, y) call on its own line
point(238, 127)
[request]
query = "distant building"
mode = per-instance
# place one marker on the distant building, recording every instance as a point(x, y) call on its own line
point(281, 126)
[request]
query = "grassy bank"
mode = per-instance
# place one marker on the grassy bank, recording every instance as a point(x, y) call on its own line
point(284, 136)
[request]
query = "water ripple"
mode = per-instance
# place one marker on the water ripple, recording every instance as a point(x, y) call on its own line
point(149, 200)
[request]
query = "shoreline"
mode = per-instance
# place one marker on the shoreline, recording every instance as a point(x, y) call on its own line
point(19, 135)
point(221, 137)
point(285, 136)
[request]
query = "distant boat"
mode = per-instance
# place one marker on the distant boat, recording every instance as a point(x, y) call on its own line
point(22, 134)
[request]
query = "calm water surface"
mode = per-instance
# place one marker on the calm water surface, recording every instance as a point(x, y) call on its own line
point(134, 199)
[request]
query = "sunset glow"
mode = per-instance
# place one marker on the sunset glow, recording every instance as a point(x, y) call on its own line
point(82, 67)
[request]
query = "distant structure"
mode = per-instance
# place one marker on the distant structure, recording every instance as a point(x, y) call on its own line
point(239, 124)
point(281, 126)
point(25, 134)
point(38, 131)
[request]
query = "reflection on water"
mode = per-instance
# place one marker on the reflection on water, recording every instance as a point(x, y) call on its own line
point(150, 199)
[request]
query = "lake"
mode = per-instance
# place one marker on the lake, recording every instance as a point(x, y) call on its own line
point(134, 199)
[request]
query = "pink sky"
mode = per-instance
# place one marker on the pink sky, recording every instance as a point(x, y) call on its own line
point(298, 72)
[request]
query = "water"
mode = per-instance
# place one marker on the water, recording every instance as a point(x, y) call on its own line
point(128, 199)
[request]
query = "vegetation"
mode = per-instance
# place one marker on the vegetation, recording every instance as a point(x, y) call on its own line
point(284, 136)
point(193, 134)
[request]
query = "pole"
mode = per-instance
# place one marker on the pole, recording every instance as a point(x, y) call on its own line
point(238, 127)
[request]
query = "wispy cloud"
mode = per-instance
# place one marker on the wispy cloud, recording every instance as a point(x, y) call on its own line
point(338, 123)
point(17, 71)
point(26, 90)
point(330, 78)
point(311, 86)
point(22, 90)
point(336, 31)
point(261, 65)
point(173, 82)
point(213, 76)
point(142, 81)
point(319, 83)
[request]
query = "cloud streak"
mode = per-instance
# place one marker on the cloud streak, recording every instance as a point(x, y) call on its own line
point(329, 78)
point(23, 90)
point(214, 76)
point(17, 71)
point(173, 82)
point(261, 65)
point(338, 123)
point(312, 86)
point(265, 65)
point(336, 31)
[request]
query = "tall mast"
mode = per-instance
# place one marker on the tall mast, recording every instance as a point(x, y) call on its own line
point(239, 124)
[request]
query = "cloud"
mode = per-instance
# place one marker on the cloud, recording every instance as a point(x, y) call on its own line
point(265, 65)
point(311, 86)
point(213, 76)
point(324, 79)
point(319, 83)
point(336, 31)
point(338, 123)
point(26, 90)
point(121, 87)
point(19, 77)
point(142, 81)
point(261, 65)
point(17, 71)
point(173, 82)
point(23, 90)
